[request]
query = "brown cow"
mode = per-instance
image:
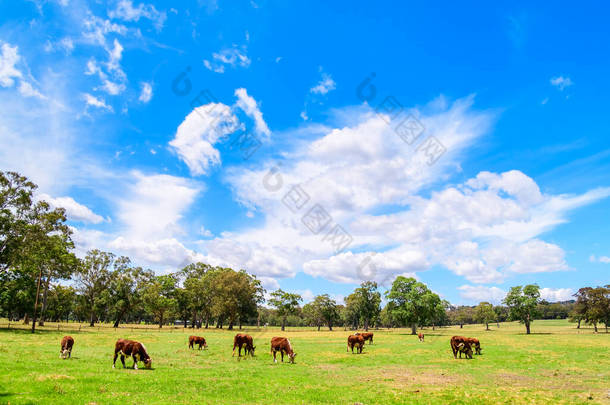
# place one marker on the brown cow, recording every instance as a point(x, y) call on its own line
point(197, 340)
point(66, 347)
point(420, 336)
point(355, 340)
point(476, 344)
point(282, 345)
point(246, 341)
point(366, 335)
point(134, 349)
point(460, 344)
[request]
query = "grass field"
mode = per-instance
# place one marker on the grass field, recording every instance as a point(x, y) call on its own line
point(556, 364)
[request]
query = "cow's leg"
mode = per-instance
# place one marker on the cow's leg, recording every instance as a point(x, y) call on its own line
point(234, 346)
point(70, 353)
point(114, 360)
point(274, 354)
point(282, 353)
point(123, 359)
point(135, 362)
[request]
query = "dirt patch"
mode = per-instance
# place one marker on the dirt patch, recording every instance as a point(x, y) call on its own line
point(53, 377)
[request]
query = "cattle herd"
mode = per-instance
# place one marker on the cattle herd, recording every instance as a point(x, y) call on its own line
point(126, 348)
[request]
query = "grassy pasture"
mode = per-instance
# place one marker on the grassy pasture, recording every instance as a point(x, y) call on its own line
point(556, 364)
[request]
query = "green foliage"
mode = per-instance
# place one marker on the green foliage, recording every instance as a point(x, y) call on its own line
point(522, 303)
point(285, 303)
point(484, 313)
point(412, 303)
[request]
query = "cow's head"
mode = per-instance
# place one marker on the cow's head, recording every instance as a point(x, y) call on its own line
point(148, 363)
point(64, 353)
point(466, 349)
point(252, 350)
point(292, 356)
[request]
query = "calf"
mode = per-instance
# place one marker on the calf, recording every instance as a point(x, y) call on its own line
point(66, 347)
point(134, 349)
point(246, 341)
point(460, 344)
point(197, 340)
point(420, 336)
point(282, 345)
point(366, 335)
point(357, 341)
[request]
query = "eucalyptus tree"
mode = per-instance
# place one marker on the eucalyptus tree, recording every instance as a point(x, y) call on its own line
point(285, 303)
point(522, 303)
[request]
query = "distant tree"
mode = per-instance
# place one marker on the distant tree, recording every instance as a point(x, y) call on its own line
point(322, 311)
point(285, 303)
point(593, 305)
point(351, 311)
point(125, 288)
point(368, 303)
point(484, 313)
point(158, 297)
point(522, 303)
point(92, 278)
point(61, 303)
point(412, 302)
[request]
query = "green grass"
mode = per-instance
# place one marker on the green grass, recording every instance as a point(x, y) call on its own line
point(557, 364)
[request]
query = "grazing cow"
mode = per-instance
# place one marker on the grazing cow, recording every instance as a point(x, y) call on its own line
point(134, 349)
point(282, 345)
point(66, 347)
point(476, 344)
point(420, 336)
point(460, 344)
point(357, 341)
point(197, 340)
point(246, 341)
point(366, 335)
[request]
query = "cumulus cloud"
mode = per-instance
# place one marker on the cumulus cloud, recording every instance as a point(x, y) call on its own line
point(556, 294)
point(232, 57)
point(74, 210)
point(197, 134)
point(9, 73)
point(146, 93)
point(561, 82)
point(481, 293)
point(486, 229)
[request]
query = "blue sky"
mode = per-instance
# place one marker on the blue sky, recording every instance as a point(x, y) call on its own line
point(317, 145)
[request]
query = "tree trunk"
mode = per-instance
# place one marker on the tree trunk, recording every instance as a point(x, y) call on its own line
point(413, 328)
point(44, 302)
point(26, 319)
point(527, 328)
point(578, 326)
point(160, 321)
point(36, 301)
point(486, 326)
point(594, 325)
point(433, 326)
point(283, 323)
point(366, 325)
point(318, 327)
point(330, 326)
point(461, 325)
point(207, 321)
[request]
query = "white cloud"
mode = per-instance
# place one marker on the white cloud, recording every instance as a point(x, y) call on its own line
point(27, 90)
point(8, 61)
point(600, 259)
point(74, 210)
point(65, 45)
point(146, 92)
point(481, 293)
point(126, 11)
point(227, 57)
point(93, 101)
point(250, 107)
point(561, 82)
point(325, 84)
point(205, 232)
point(96, 29)
point(556, 294)
point(197, 134)
point(486, 229)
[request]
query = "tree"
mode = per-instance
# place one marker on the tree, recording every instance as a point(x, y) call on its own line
point(593, 305)
point(158, 297)
point(412, 302)
point(368, 302)
point(322, 310)
point(62, 303)
point(285, 303)
point(522, 303)
point(484, 313)
point(92, 278)
point(124, 288)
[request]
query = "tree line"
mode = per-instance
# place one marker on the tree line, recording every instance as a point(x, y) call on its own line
point(42, 279)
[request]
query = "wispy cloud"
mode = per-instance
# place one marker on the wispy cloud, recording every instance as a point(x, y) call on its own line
point(600, 259)
point(93, 101)
point(146, 92)
point(325, 85)
point(126, 11)
point(561, 82)
point(232, 57)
